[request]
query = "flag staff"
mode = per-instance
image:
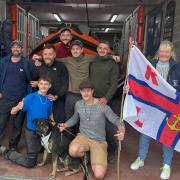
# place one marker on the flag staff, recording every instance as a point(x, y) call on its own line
point(131, 42)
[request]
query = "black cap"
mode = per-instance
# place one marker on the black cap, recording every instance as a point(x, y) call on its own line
point(17, 42)
point(78, 43)
point(86, 84)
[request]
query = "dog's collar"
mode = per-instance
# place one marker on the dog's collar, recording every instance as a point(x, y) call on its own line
point(45, 142)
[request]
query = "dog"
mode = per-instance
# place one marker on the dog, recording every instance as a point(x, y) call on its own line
point(57, 144)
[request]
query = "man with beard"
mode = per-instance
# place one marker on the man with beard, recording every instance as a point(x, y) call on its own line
point(58, 74)
point(61, 51)
point(15, 75)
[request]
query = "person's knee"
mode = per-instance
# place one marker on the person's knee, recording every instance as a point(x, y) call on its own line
point(99, 172)
point(74, 150)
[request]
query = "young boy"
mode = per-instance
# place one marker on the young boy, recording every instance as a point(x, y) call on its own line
point(92, 136)
point(37, 105)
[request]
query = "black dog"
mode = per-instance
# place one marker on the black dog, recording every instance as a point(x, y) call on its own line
point(57, 143)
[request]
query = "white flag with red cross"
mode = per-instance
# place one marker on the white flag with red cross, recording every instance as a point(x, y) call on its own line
point(152, 106)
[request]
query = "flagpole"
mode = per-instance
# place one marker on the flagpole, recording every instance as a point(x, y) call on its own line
point(121, 111)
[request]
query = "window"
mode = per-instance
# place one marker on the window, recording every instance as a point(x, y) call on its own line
point(169, 21)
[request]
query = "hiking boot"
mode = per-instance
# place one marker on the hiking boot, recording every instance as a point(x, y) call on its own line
point(137, 164)
point(165, 172)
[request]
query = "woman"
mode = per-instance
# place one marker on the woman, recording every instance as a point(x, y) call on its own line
point(170, 70)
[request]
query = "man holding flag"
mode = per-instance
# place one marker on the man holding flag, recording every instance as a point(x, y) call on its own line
point(152, 106)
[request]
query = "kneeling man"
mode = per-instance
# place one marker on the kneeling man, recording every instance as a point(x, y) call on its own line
point(92, 136)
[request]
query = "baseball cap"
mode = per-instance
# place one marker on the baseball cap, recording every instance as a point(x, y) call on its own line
point(78, 43)
point(17, 42)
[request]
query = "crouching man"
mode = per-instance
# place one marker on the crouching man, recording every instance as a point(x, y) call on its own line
point(92, 136)
point(37, 105)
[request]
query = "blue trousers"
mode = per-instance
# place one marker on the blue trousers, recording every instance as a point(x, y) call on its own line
point(144, 142)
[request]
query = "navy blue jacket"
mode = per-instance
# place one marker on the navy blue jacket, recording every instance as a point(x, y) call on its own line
point(173, 77)
point(28, 66)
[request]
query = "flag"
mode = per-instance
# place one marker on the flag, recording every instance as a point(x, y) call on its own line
point(152, 105)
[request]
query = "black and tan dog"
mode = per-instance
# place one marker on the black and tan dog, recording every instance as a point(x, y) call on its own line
point(57, 144)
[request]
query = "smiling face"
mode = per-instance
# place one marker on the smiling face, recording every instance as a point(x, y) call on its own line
point(103, 49)
point(16, 50)
point(43, 86)
point(49, 55)
point(65, 37)
point(164, 54)
point(87, 94)
point(76, 51)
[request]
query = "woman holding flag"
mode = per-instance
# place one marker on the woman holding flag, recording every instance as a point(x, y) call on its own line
point(169, 69)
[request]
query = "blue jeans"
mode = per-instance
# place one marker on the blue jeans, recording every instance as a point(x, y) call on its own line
point(144, 142)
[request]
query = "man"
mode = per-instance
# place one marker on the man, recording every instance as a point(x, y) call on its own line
point(104, 75)
point(65, 38)
point(78, 68)
point(92, 129)
point(58, 74)
point(61, 51)
point(30, 104)
point(15, 75)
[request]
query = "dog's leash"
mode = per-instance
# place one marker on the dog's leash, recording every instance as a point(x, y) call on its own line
point(84, 163)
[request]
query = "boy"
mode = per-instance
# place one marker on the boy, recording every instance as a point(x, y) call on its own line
point(37, 105)
point(92, 129)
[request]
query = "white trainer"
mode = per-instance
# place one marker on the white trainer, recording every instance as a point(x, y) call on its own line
point(166, 172)
point(137, 164)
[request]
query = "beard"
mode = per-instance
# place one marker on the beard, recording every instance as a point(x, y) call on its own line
point(16, 53)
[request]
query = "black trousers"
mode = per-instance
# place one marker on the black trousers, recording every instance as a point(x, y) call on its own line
point(71, 99)
point(33, 148)
point(59, 110)
point(110, 131)
point(17, 120)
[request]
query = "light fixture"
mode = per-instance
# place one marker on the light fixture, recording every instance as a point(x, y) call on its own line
point(114, 18)
point(107, 29)
point(57, 17)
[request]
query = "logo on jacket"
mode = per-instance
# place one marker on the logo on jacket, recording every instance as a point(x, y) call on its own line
point(175, 83)
point(54, 69)
point(21, 70)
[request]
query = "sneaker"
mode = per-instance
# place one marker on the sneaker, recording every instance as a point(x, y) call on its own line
point(166, 171)
point(137, 164)
point(2, 150)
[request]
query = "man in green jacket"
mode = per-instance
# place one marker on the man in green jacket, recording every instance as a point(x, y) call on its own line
point(104, 75)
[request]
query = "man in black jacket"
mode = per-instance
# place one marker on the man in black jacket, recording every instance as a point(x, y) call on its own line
point(58, 74)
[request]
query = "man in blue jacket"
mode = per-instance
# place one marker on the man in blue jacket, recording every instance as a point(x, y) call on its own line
point(15, 76)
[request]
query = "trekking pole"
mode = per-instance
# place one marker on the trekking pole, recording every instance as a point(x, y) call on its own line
point(121, 111)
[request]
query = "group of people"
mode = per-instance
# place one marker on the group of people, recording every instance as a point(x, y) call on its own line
point(77, 86)
point(68, 87)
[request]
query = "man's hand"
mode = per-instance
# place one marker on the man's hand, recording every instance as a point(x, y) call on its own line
point(37, 60)
point(120, 134)
point(34, 83)
point(116, 58)
point(103, 101)
point(62, 127)
point(52, 97)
